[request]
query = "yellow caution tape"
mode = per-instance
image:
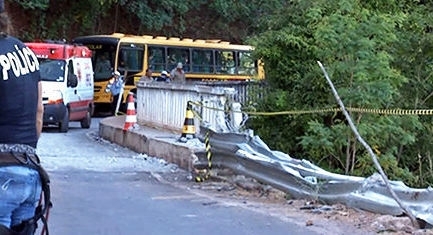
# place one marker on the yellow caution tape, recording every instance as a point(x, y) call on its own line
point(393, 111)
point(353, 110)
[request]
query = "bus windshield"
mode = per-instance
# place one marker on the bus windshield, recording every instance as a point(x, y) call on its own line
point(102, 64)
point(103, 57)
point(130, 58)
point(52, 70)
point(102, 60)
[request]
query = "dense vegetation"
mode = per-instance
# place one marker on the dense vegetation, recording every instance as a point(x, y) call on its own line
point(62, 19)
point(378, 54)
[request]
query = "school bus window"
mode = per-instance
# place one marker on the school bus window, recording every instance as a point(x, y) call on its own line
point(202, 61)
point(220, 69)
point(102, 65)
point(131, 59)
point(176, 55)
point(227, 61)
point(156, 58)
point(246, 64)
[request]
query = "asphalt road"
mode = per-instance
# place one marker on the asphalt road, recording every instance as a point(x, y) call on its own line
point(101, 188)
point(134, 203)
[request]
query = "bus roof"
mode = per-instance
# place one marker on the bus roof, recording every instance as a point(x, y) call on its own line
point(115, 38)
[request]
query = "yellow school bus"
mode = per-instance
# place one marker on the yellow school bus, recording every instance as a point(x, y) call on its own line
point(131, 55)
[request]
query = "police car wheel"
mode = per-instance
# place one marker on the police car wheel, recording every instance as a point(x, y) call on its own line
point(85, 122)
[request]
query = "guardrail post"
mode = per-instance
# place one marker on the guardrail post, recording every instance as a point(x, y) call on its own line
point(188, 130)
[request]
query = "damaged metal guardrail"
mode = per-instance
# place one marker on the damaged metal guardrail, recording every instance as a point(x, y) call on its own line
point(248, 155)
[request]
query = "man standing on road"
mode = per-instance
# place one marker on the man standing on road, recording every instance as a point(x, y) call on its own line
point(21, 177)
point(115, 87)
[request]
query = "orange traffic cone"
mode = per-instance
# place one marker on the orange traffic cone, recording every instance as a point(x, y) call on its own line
point(188, 131)
point(131, 117)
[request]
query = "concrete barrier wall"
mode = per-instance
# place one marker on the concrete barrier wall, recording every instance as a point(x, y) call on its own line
point(163, 105)
point(150, 141)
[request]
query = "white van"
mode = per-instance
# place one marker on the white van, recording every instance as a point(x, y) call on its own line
point(67, 83)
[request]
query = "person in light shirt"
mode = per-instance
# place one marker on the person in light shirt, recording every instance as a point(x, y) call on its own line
point(115, 86)
point(177, 74)
point(147, 77)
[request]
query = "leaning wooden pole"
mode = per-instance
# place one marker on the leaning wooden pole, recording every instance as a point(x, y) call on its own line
point(370, 151)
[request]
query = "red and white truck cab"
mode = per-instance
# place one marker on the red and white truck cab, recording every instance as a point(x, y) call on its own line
point(67, 83)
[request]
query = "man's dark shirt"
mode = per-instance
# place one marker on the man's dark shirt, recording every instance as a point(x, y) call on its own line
point(19, 77)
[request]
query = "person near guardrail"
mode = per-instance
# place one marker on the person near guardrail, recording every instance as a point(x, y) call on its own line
point(177, 74)
point(147, 77)
point(164, 77)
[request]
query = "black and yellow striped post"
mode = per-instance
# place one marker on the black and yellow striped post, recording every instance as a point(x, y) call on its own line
point(208, 152)
point(188, 130)
point(204, 174)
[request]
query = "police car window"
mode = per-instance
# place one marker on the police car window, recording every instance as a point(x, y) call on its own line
point(52, 70)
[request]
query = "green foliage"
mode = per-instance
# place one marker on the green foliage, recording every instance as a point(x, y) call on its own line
point(390, 166)
point(229, 20)
point(336, 144)
point(34, 4)
point(155, 15)
point(54, 22)
point(413, 54)
point(360, 43)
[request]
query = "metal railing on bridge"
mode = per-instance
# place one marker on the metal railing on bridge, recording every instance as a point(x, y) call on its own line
point(163, 104)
